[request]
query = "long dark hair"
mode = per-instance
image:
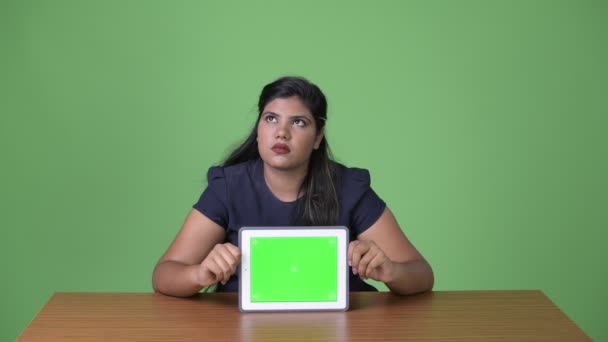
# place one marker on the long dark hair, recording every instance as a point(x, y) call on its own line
point(320, 204)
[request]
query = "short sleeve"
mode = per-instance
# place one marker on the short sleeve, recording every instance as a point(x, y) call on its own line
point(368, 206)
point(213, 201)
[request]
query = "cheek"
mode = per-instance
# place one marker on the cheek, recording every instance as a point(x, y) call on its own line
point(264, 137)
point(308, 140)
point(260, 133)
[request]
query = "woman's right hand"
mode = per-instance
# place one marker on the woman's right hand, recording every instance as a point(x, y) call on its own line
point(219, 265)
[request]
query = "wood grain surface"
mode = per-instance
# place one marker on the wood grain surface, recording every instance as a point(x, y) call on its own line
point(381, 316)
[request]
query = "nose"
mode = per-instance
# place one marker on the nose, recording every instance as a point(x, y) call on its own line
point(283, 132)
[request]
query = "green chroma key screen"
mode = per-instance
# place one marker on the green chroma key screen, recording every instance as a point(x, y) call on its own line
point(294, 269)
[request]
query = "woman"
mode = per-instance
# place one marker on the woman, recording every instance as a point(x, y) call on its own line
point(282, 175)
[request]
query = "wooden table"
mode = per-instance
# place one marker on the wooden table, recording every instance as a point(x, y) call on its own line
point(434, 316)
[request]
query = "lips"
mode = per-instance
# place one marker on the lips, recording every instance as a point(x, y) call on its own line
point(280, 149)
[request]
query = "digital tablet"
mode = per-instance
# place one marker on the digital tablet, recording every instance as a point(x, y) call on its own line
point(293, 268)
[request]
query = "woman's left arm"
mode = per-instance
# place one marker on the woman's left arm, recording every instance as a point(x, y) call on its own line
point(385, 254)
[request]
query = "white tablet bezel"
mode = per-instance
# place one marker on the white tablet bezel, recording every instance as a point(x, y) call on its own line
point(245, 235)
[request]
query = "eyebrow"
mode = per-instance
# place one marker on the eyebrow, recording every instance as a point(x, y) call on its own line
point(301, 116)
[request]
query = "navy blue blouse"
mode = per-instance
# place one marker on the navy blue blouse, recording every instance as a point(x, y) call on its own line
point(238, 196)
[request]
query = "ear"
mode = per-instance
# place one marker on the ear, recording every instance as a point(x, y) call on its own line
point(319, 137)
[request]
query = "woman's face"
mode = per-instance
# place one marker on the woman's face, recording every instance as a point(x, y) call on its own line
point(287, 134)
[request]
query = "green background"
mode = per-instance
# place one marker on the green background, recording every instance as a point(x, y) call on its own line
point(483, 124)
point(294, 269)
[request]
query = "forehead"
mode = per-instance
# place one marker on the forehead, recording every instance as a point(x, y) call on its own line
point(288, 106)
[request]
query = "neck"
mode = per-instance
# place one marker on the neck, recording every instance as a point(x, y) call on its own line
point(285, 184)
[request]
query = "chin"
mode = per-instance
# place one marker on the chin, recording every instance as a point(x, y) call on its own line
point(280, 163)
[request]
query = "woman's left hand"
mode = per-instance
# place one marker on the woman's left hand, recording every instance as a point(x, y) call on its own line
point(369, 261)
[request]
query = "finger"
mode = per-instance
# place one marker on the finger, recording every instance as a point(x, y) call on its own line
point(234, 250)
point(229, 258)
point(213, 269)
point(219, 260)
point(351, 247)
point(358, 252)
point(365, 260)
point(373, 265)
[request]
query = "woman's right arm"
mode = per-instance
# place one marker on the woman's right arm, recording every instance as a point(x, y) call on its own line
point(197, 258)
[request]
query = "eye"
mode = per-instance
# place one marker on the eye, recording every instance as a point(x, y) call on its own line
point(299, 122)
point(270, 118)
